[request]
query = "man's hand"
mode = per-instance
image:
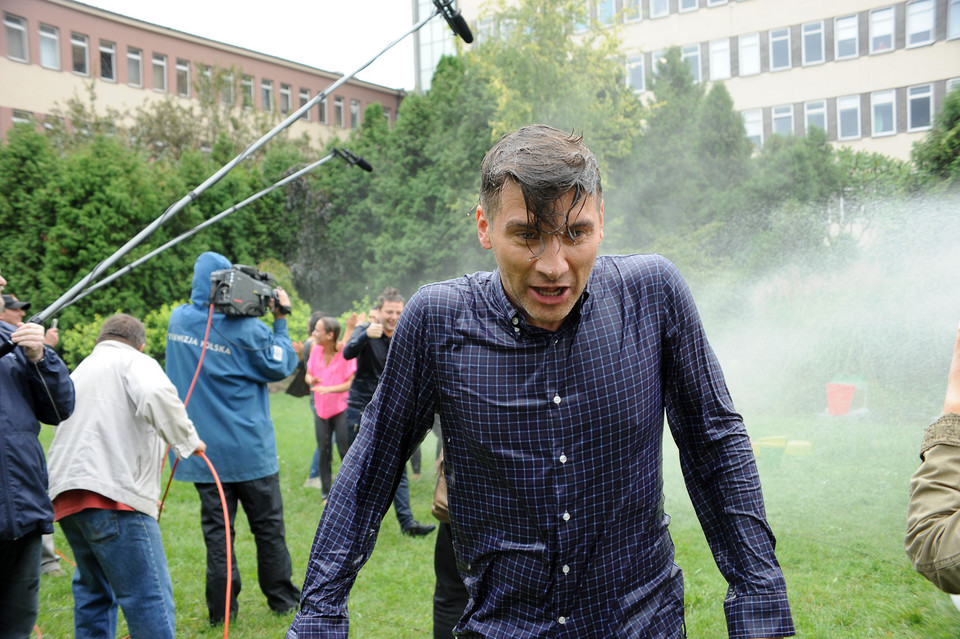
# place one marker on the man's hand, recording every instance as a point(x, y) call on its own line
point(52, 337)
point(952, 402)
point(284, 300)
point(201, 447)
point(375, 330)
point(30, 338)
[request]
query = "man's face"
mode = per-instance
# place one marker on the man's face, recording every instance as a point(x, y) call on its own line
point(13, 315)
point(389, 314)
point(543, 275)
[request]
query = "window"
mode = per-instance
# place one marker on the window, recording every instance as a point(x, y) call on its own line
point(953, 20)
point(16, 28)
point(813, 43)
point(753, 123)
point(631, 10)
point(779, 49)
point(815, 115)
point(286, 98)
point(659, 8)
point(720, 59)
point(49, 47)
point(883, 105)
point(635, 77)
point(266, 95)
point(847, 35)
point(354, 113)
point(953, 84)
point(79, 54)
point(689, 5)
point(783, 119)
point(228, 91)
point(183, 77)
point(606, 11)
point(246, 91)
point(134, 67)
point(386, 116)
point(881, 30)
point(108, 60)
point(715, 3)
point(22, 117)
point(304, 98)
point(322, 111)
point(749, 58)
point(338, 111)
point(848, 117)
point(160, 72)
point(919, 107)
point(919, 23)
point(691, 55)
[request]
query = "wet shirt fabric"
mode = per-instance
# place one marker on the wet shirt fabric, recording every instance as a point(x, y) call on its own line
point(553, 442)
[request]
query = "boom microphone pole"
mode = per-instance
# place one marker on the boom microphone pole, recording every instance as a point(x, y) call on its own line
point(444, 8)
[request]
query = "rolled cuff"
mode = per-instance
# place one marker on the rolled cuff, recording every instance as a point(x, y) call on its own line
point(945, 430)
point(306, 626)
point(751, 616)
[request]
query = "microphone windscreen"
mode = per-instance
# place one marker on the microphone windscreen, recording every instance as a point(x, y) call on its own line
point(460, 26)
point(363, 164)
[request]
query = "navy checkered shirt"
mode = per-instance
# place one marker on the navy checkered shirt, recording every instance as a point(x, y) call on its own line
point(553, 445)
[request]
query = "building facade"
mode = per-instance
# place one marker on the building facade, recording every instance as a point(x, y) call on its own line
point(872, 73)
point(52, 49)
point(433, 41)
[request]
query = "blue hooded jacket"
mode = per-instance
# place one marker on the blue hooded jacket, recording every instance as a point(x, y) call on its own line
point(230, 404)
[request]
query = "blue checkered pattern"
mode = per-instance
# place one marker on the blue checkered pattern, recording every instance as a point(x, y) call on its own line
point(553, 448)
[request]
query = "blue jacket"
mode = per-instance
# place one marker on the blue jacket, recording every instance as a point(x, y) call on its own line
point(28, 394)
point(230, 404)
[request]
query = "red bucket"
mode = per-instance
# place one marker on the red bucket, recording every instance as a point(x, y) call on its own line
point(839, 397)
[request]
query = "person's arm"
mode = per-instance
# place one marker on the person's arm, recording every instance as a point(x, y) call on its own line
point(337, 388)
point(357, 341)
point(933, 512)
point(394, 423)
point(49, 380)
point(156, 401)
point(720, 471)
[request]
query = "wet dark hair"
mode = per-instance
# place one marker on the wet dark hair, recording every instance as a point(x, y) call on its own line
point(123, 328)
point(546, 164)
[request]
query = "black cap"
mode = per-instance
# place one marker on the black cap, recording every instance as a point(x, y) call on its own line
point(11, 302)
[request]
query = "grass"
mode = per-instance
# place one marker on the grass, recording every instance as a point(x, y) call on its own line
point(838, 514)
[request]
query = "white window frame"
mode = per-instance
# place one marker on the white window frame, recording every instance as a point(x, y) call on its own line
point(690, 54)
point(753, 119)
point(21, 116)
point(635, 62)
point(779, 113)
point(632, 11)
point(842, 24)
point(952, 83)
point(606, 11)
point(183, 73)
point(304, 98)
point(920, 92)
point(774, 40)
point(659, 8)
point(108, 53)
point(846, 103)
point(879, 18)
point(684, 6)
point(159, 64)
point(16, 33)
point(338, 113)
point(810, 29)
point(286, 98)
point(719, 59)
point(49, 46)
point(247, 94)
point(135, 66)
point(354, 114)
point(80, 43)
point(228, 90)
point(748, 43)
point(953, 20)
point(921, 19)
point(882, 99)
point(814, 108)
point(266, 95)
point(716, 3)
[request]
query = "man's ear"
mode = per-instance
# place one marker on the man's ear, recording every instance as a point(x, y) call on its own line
point(141, 347)
point(483, 229)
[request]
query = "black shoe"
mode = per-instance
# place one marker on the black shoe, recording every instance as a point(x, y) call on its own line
point(416, 529)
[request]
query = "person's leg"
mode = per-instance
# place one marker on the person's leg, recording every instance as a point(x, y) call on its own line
point(324, 433)
point(340, 430)
point(20, 585)
point(263, 504)
point(449, 595)
point(94, 604)
point(313, 476)
point(415, 463)
point(353, 424)
point(401, 503)
point(49, 561)
point(215, 538)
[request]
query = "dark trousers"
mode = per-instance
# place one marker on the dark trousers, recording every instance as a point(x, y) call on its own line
point(19, 586)
point(263, 506)
point(449, 595)
point(324, 430)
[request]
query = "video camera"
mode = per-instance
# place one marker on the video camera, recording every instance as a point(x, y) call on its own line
point(244, 291)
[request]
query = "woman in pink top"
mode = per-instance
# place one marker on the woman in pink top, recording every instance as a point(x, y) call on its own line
point(329, 377)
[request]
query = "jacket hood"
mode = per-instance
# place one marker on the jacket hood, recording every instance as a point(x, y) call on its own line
point(206, 264)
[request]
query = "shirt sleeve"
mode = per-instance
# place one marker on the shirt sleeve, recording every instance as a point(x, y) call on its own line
point(157, 402)
point(50, 386)
point(355, 344)
point(933, 512)
point(272, 357)
point(393, 425)
point(720, 472)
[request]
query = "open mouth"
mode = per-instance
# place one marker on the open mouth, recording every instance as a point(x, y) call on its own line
point(550, 293)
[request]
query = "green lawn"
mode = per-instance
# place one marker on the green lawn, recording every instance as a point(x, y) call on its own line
point(838, 513)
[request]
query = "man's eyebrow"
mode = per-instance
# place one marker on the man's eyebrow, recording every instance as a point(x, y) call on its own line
point(516, 225)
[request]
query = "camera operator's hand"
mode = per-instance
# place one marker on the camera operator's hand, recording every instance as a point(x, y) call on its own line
point(284, 302)
point(952, 402)
point(30, 338)
point(375, 330)
point(201, 447)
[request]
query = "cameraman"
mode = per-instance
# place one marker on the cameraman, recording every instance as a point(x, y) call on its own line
point(230, 408)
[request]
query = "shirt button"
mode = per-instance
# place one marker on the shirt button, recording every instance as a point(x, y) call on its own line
point(566, 569)
point(515, 320)
point(516, 329)
point(563, 459)
point(562, 620)
point(556, 400)
point(566, 516)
